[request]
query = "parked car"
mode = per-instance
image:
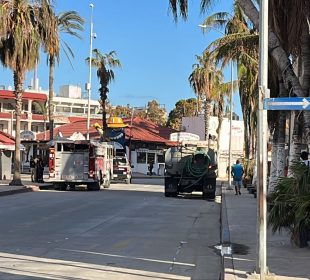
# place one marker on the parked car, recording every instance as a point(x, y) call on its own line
point(121, 168)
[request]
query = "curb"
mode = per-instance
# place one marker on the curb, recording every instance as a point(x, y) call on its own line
point(17, 191)
point(227, 259)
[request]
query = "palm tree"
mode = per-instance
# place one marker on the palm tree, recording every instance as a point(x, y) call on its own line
point(43, 109)
point(205, 81)
point(291, 204)
point(23, 28)
point(69, 23)
point(240, 44)
point(104, 64)
point(276, 46)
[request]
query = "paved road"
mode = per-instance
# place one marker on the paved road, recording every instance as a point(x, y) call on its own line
point(125, 232)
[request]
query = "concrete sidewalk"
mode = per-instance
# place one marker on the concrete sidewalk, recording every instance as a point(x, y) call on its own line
point(239, 233)
point(28, 186)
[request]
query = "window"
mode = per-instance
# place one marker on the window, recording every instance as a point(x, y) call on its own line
point(141, 157)
point(8, 106)
point(34, 128)
point(63, 109)
point(1, 126)
point(25, 107)
point(161, 158)
point(151, 157)
point(78, 110)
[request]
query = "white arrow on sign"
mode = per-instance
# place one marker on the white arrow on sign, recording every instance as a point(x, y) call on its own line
point(304, 103)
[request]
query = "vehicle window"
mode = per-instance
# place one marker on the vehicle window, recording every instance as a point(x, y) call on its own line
point(119, 161)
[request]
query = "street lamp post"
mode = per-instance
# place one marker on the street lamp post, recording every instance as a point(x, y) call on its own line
point(88, 85)
point(230, 125)
point(231, 109)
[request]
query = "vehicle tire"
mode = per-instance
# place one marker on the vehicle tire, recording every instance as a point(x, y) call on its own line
point(171, 187)
point(57, 186)
point(93, 186)
point(209, 188)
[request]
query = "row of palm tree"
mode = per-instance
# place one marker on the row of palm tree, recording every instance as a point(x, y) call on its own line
point(289, 75)
point(28, 26)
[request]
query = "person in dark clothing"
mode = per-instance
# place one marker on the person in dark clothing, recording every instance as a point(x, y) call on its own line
point(39, 170)
point(32, 169)
point(151, 166)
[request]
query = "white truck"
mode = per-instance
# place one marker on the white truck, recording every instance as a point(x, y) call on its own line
point(80, 162)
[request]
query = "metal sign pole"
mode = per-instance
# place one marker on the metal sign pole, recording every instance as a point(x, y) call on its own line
point(262, 141)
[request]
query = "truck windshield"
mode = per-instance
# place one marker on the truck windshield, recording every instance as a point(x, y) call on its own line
point(119, 161)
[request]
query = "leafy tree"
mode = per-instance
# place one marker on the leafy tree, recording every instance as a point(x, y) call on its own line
point(104, 64)
point(155, 113)
point(69, 23)
point(183, 108)
point(26, 25)
point(119, 111)
point(291, 204)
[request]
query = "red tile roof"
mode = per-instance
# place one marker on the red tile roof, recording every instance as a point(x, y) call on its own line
point(6, 139)
point(141, 130)
point(9, 94)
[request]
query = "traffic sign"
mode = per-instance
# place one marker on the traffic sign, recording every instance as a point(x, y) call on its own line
point(287, 103)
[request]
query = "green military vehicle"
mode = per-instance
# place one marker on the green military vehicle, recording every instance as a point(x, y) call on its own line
point(190, 167)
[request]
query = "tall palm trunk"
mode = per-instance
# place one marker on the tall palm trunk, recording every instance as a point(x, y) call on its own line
point(18, 77)
point(299, 136)
point(51, 96)
point(207, 119)
point(278, 147)
point(305, 57)
point(275, 48)
point(219, 127)
point(103, 96)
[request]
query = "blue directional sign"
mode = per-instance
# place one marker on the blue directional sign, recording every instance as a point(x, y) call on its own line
point(287, 103)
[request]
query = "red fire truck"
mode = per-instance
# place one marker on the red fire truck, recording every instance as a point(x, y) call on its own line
point(80, 162)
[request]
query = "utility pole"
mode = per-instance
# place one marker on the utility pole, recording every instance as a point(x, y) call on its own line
point(261, 265)
point(230, 124)
point(88, 85)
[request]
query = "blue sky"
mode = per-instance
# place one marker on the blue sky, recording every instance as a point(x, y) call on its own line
point(156, 53)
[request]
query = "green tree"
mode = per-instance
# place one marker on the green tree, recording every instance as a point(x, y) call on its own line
point(240, 44)
point(42, 108)
point(24, 24)
point(68, 23)
point(155, 113)
point(206, 80)
point(104, 64)
point(183, 108)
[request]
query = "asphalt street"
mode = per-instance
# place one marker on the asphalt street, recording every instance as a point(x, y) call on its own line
point(124, 232)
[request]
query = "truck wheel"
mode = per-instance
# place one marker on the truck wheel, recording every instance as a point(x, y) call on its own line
point(93, 186)
point(209, 188)
point(171, 187)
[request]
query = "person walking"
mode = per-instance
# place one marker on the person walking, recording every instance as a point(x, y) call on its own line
point(32, 168)
point(237, 174)
point(151, 166)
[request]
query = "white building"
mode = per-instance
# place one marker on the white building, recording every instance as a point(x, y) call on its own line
point(196, 125)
